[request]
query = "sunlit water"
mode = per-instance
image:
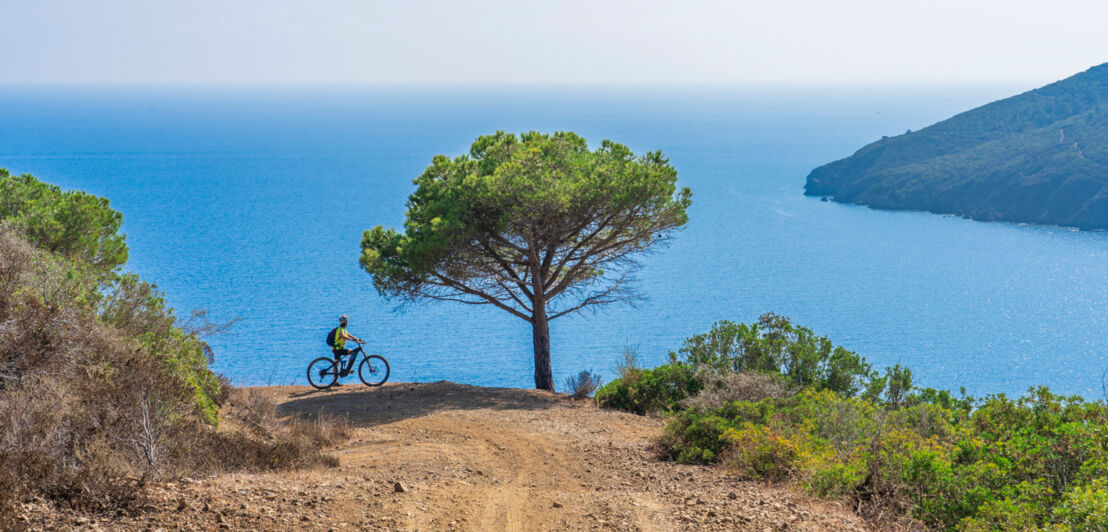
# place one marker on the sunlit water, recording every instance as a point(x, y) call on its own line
point(251, 203)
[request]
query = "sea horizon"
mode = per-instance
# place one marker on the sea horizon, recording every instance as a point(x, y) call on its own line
point(251, 204)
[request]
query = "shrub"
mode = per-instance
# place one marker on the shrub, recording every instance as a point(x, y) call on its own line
point(1085, 508)
point(628, 362)
point(832, 478)
point(695, 437)
point(82, 434)
point(757, 452)
point(774, 345)
point(583, 384)
point(139, 311)
point(650, 390)
point(322, 430)
point(773, 401)
point(100, 392)
point(740, 362)
point(1006, 465)
point(303, 436)
point(721, 387)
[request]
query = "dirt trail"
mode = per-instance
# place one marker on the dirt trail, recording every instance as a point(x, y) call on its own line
point(444, 456)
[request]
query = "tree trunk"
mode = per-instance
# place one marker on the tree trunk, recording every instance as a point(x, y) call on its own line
point(540, 329)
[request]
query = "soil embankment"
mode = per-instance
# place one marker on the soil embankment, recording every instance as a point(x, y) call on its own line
point(444, 456)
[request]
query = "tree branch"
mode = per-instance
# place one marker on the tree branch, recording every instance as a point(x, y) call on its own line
point(604, 297)
point(461, 287)
point(508, 269)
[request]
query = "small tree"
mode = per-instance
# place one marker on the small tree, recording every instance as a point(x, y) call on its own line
point(536, 225)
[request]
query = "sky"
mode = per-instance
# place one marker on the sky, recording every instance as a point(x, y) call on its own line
point(686, 42)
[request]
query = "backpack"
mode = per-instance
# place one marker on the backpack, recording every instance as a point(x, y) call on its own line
point(331, 337)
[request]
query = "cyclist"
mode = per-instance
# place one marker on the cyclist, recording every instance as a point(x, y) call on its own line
point(338, 347)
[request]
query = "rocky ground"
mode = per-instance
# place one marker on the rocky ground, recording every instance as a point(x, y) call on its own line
point(445, 456)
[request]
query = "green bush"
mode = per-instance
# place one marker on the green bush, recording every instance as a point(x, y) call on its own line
point(141, 312)
point(774, 345)
point(774, 401)
point(693, 437)
point(650, 390)
point(759, 452)
point(1006, 465)
point(1085, 508)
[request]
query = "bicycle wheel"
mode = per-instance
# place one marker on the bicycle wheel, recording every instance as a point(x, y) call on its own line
point(322, 373)
point(374, 370)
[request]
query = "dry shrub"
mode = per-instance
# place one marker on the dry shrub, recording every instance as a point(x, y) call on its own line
point(75, 442)
point(219, 451)
point(322, 430)
point(627, 366)
point(722, 387)
point(278, 443)
point(583, 384)
point(254, 409)
point(257, 410)
point(88, 416)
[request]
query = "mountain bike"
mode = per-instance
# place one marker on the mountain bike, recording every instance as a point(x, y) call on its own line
point(323, 372)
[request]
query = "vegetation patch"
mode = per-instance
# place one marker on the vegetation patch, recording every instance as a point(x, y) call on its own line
point(773, 402)
point(102, 389)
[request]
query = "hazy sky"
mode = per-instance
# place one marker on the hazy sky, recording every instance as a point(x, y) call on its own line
point(634, 41)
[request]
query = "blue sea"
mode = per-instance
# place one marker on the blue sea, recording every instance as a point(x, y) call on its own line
point(251, 201)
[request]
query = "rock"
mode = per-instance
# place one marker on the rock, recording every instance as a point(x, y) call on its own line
point(398, 487)
point(557, 504)
point(732, 496)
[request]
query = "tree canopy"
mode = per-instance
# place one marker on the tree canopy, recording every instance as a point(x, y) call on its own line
point(537, 225)
point(73, 224)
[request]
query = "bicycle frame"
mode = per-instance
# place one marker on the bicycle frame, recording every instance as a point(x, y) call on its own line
point(344, 367)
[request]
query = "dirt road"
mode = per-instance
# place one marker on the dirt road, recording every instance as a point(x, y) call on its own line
point(444, 456)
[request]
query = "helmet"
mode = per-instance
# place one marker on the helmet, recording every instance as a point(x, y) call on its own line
point(343, 319)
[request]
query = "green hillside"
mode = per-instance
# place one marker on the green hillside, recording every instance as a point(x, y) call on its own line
point(1039, 157)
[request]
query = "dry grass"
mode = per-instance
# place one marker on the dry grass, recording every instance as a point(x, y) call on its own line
point(322, 430)
point(258, 411)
